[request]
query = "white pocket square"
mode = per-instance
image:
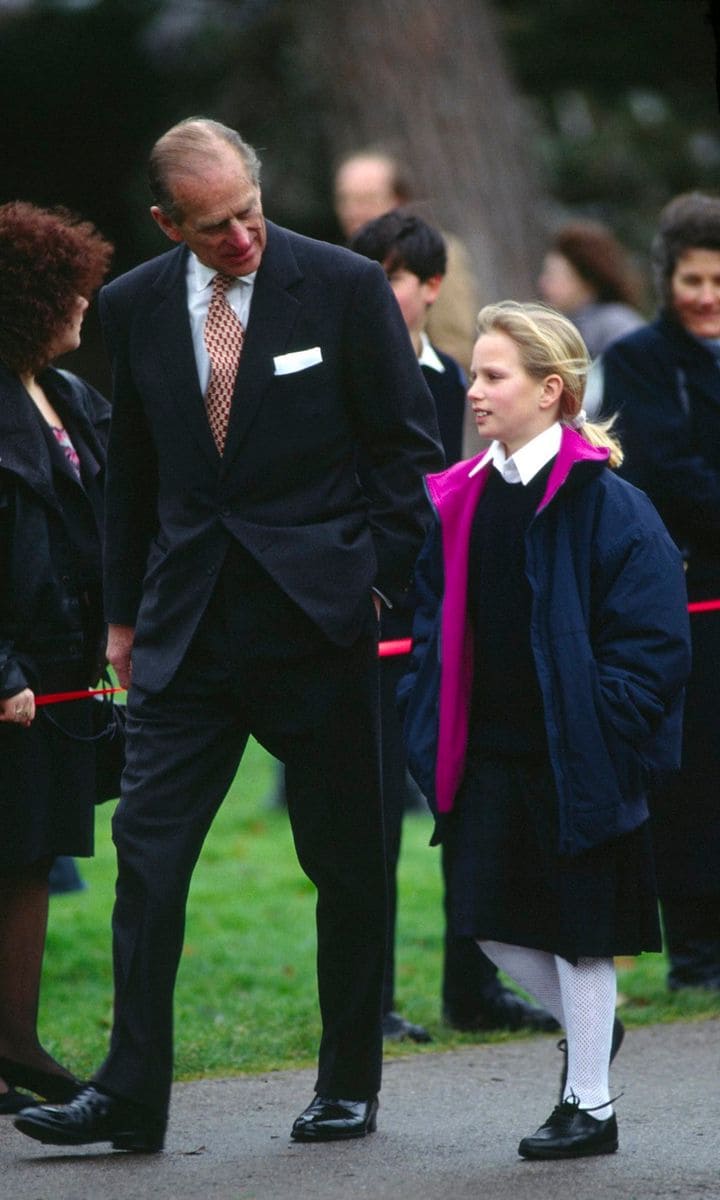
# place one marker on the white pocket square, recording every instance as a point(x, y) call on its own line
point(299, 360)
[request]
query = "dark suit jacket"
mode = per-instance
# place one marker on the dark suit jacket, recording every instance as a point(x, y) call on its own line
point(287, 486)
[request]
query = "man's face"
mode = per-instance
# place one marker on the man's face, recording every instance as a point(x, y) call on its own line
point(222, 219)
point(363, 191)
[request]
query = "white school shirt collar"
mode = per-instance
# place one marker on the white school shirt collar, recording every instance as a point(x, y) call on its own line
point(428, 357)
point(524, 464)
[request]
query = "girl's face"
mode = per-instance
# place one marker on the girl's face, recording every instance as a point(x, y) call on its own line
point(695, 290)
point(507, 403)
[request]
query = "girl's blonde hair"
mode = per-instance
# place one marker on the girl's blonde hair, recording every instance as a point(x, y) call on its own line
point(549, 344)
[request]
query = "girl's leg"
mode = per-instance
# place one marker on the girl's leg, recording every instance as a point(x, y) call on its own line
point(588, 993)
point(535, 970)
point(582, 998)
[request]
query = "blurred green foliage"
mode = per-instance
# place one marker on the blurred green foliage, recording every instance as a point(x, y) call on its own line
point(623, 101)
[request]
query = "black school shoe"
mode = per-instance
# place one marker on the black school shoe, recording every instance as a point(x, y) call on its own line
point(93, 1116)
point(571, 1132)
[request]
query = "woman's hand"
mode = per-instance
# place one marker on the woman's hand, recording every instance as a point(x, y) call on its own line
point(19, 709)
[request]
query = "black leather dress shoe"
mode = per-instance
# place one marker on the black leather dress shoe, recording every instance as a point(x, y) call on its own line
point(396, 1029)
point(618, 1034)
point(328, 1120)
point(502, 1009)
point(93, 1116)
point(571, 1132)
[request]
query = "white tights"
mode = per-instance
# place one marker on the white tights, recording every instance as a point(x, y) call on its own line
point(582, 999)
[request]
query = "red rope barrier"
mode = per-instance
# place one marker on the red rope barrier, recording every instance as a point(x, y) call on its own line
point(399, 646)
point(59, 697)
point(389, 649)
point(704, 606)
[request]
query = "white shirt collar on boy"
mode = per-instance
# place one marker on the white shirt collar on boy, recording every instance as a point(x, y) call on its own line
point(428, 356)
point(524, 464)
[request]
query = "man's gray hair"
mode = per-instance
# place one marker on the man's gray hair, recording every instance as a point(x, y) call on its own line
point(185, 149)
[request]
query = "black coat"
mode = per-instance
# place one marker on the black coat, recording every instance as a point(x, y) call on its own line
point(51, 628)
point(287, 487)
point(665, 386)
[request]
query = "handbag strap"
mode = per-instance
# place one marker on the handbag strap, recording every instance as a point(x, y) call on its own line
point(109, 730)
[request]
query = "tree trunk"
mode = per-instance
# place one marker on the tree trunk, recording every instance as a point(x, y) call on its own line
point(428, 81)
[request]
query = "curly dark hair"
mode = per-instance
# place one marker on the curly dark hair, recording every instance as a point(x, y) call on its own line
point(597, 256)
point(48, 257)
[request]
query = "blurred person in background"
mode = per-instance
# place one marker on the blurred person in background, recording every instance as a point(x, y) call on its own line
point(53, 428)
point(587, 275)
point(664, 382)
point(371, 182)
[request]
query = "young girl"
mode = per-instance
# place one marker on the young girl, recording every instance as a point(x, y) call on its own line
point(557, 601)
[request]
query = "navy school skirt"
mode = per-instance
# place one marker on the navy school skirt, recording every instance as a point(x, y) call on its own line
point(507, 883)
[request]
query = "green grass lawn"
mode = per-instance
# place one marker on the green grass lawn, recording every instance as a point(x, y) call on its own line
point(245, 1000)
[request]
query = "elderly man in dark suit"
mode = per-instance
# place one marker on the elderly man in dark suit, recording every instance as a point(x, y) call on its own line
point(253, 369)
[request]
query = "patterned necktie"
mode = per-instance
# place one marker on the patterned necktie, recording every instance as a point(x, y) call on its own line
point(224, 335)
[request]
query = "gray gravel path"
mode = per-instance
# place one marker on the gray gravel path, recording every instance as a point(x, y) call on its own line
point(448, 1129)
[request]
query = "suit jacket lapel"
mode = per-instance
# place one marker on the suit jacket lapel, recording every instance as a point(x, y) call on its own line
point(168, 329)
point(273, 313)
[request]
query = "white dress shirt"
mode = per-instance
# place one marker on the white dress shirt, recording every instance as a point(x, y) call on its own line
point(199, 290)
point(524, 464)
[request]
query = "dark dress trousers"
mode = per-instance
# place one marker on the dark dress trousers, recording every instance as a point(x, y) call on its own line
point(248, 580)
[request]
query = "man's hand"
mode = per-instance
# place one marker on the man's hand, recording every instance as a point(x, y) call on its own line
point(119, 651)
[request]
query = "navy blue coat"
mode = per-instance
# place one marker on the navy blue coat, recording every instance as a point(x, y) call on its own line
point(609, 635)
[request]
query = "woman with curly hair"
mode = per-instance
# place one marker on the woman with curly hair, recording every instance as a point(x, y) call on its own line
point(53, 429)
